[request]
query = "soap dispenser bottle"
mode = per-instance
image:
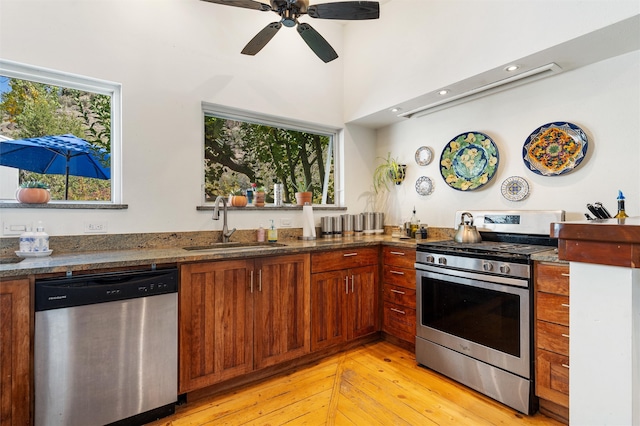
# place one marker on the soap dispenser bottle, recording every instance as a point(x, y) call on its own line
point(272, 234)
point(260, 234)
point(41, 239)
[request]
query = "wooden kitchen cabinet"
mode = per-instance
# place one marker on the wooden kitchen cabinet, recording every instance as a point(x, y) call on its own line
point(344, 296)
point(399, 293)
point(552, 338)
point(15, 352)
point(241, 315)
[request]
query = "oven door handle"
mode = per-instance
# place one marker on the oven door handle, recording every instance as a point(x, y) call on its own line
point(454, 275)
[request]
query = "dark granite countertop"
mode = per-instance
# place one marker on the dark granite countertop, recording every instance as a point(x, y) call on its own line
point(96, 260)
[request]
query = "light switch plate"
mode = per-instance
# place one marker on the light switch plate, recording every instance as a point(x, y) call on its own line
point(285, 222)
point(96, 227)
point(13, 228)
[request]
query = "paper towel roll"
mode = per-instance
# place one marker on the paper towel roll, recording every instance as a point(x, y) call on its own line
point(308, 225)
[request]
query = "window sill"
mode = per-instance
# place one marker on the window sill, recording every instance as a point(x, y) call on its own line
point(271, 208)
point(63, 205)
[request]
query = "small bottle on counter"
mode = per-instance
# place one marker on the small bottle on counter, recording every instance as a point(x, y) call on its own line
point(41, 239)
point(272, 234)
point(621, 212)
point(260, 234)
point(415, 224)
point(27, 241)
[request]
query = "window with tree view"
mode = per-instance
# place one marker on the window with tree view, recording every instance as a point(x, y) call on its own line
point(242, 156)
point(55, 135)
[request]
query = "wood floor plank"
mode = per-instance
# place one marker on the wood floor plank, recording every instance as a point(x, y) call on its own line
point(373, 384)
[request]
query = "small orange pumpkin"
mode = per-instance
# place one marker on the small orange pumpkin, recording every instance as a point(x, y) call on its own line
point(33, 195)
point(238, 200)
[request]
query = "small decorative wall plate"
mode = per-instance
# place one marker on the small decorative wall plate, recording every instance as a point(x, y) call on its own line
point(555, 149)
point(515, 188)
point(469, 161)
point(424, 155)
point(424, 186)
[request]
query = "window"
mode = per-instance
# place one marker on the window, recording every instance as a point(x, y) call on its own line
point(41, 103)
point(244, 150)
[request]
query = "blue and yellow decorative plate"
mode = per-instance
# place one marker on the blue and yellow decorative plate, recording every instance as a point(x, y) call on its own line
point(555, 149)
point(515, 188)
point(469, 161)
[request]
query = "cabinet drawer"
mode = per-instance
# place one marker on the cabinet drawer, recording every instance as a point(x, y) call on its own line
point(552, 277)
point(400, 295)
point(396, 256)
point(552, 308)
point(552, 337)
point(399, 276)
point(343, 259)
point(399, 321)
point(552, 377)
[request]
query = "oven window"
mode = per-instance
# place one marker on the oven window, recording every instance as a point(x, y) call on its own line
point(488, 317)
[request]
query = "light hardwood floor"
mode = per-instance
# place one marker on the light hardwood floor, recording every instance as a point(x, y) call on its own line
point(374, 384)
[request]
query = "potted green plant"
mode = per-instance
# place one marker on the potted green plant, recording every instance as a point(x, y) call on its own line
point(259, 196)
point(33, 192)
point(303, 195)
point(389, 172)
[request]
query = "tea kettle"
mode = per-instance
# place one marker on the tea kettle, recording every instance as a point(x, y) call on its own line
point(467, 233)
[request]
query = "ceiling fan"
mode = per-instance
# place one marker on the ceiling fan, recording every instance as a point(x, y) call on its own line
point(290, 10)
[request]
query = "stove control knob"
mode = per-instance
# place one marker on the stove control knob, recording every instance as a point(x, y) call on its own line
point(487, 266)
point(504, 269)
point(430, 258)
point(442, 260)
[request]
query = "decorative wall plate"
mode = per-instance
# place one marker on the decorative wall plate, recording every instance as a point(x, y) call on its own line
point(515, 188)
point(424, 155)
point(469, 161)
point(424, 185)
point(555, 149)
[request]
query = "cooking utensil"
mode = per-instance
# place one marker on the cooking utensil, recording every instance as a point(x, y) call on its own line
point(601, 208)
point(467, 233)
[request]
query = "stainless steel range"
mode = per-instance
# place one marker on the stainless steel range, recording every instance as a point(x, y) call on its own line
point(475, 304)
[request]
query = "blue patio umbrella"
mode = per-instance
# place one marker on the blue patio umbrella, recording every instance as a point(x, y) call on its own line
point(56, 155)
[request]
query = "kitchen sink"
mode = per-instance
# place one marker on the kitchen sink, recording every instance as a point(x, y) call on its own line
point(233, 244)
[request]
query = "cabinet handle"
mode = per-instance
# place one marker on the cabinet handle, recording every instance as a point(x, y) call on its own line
point(564, 365)
point(564, 274)
point(349, 254)
point(260, 280)
point(566, 305)
point(565, 335)
point(346, 284)
point(251, 280)
point(352, 280)
point(396, 272)
point(397, 253)
point(398, 311)
point(397, 291)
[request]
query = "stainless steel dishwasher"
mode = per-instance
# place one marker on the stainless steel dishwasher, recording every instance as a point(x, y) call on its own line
point(106, 348)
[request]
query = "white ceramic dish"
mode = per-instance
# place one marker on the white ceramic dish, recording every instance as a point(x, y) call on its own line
point(34, 253)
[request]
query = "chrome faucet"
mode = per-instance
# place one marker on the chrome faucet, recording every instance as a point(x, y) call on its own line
point(226, 234)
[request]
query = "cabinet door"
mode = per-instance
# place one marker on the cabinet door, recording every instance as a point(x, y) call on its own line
point(281, 309)
point(329, 309)
point(363, 301)
point(216, 322)
point(15, 352)
point(552, 377)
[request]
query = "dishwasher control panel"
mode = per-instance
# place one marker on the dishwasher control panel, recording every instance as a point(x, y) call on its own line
point(56, 293)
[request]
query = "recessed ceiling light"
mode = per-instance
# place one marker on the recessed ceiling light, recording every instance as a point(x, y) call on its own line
point(443, 92)
point(395, 109)
point(511, 68)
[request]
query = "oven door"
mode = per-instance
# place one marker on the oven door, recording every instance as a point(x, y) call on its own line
point(470, 314)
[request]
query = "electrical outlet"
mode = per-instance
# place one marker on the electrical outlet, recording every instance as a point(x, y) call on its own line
point(13, 228)
point(98, 227)
point(285, 222)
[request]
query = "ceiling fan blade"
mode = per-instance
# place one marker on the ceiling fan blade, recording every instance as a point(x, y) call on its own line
point(352, 10)
point(317, 43)
point(261, 39)
point(247, 4)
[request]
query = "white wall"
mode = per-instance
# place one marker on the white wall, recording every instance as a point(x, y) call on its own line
point(603, 99)
point(170, 55)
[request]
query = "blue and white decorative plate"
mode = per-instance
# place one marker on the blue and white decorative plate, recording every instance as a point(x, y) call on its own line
point(515, 188)
point(555, 149)
point(469, 161)
point(424, 186)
